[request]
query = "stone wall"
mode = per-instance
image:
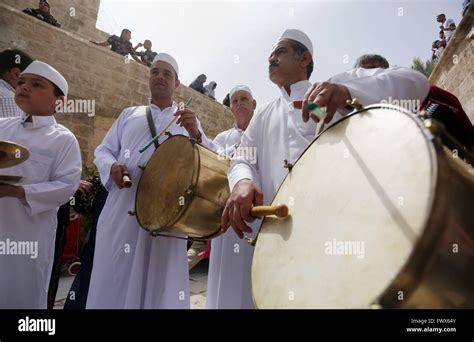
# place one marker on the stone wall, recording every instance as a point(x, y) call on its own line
point(95, 73)
point(455, 69)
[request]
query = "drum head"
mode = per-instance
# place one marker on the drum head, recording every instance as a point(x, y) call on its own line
point(359, 198)
point(162, 192)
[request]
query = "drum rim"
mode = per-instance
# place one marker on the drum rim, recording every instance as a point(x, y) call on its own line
point(194, 178)
point(418, 121)
point(433, 157)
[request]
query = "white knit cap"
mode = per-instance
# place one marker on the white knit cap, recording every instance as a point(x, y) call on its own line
point(238, 88)
point(299, 36)
point(47, 71)
point(168, 59)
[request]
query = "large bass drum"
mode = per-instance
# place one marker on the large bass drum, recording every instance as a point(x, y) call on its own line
point(183, 190)
point(381, 216)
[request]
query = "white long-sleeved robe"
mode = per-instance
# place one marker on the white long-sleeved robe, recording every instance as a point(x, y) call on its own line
point(132, 269)
point(52, 174)
point(228, 281)
point(277, 131)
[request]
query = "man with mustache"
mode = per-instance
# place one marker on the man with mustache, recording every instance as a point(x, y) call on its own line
point(131, 269)
point(280, 132)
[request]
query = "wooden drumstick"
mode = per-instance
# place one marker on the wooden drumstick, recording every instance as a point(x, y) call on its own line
point(127, 182)
point(280, 210)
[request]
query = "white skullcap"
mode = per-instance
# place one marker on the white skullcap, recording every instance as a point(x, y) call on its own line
point(47, 71)
point(300, 37)
point(168, 59)
point(238, 88)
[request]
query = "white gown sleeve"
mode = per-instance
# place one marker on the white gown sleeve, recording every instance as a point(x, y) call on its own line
point(241, 167)
point(219, 143)
point(398, 83)
point(205, 141)
point(108, 151)
point(41, 197)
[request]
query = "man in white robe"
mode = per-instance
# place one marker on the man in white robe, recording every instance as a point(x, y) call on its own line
point(279, 131)
point(132, 269)
point(228, 282)
point(51, 174)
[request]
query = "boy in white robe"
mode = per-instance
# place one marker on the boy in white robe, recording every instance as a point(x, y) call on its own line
point(51, 176)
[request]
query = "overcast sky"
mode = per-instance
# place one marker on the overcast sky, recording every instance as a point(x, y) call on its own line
point(230, 41)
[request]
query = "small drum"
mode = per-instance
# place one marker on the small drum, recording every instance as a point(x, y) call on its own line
point(183, 190)
point(381, 216)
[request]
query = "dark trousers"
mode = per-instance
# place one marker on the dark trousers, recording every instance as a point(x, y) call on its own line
point(77, 296)
point(63, 221)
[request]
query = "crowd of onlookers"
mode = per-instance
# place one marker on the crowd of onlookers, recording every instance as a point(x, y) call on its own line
point(123, 46)
point(208, 90)
point(447, 28)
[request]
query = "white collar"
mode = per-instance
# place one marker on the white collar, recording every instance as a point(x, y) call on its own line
point(155, 108)
point(7, 85)
point(40, 121)
point(235, 126)
point(298, 90)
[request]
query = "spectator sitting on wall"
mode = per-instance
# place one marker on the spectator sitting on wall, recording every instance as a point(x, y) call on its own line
point(121, 45)
point(198, 84)
point(442, 38)
point(43, 12)
point(148, 55)
point(447, 25)
point(436, 49)
point(210, 90)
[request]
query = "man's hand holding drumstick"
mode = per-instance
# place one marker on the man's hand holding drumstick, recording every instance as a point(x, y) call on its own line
point(120, 175)
point(246, 195)
point(237, 210)
point(245, 204)
point(188, 119)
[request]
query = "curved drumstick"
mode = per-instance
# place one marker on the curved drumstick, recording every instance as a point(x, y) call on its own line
point(127, 182)
point(280, 210)
point(152, 141)
point(163, 131)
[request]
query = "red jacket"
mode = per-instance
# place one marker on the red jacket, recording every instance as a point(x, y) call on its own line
point(451, 115)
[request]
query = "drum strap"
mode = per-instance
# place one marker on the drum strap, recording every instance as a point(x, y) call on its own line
point(151, 125)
